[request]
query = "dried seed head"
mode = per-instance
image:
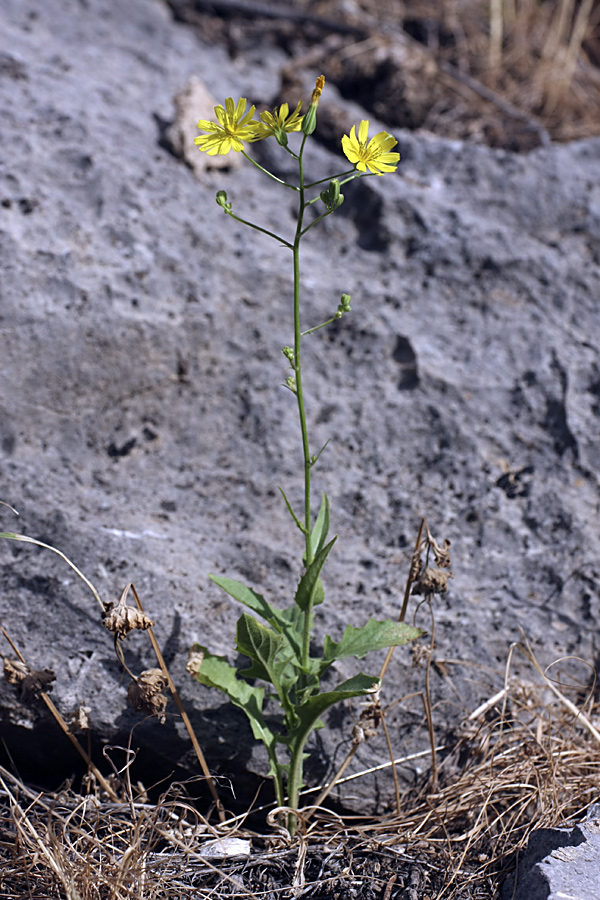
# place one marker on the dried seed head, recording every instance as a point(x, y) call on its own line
point(194, 662)
point(420, 654)
point(358, 734)
point(145, 694)
point(15, 671)
point(32, 683)
point(432, 581)
point(441, 553)
point(124, 619)
point(79, 719)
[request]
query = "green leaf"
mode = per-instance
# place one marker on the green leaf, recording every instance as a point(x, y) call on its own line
point(310, 590)
point(297, 521)
point(372, 636)
point(291, 623)
point(216, 672)
point(262, 646)
point(311, 710)
point(241, 593)
point(280, 620)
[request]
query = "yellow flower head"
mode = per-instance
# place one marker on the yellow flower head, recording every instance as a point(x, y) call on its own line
point(374, 156)
point(279, 122)
point(233, 128)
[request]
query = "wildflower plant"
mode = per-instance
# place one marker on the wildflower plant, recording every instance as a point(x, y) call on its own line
point(279, 647)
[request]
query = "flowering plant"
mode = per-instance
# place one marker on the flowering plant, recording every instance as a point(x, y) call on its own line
point(279, 647)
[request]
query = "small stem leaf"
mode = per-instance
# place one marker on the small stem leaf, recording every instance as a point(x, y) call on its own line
point(321, 528)
point(216, 672)
point(319, 596)
point(317, 457)
point(272, 659)
point(374, 635)
point(291, 622)
point(297, 521)
point(283, 621)
point(308, 593)
point(258, 642)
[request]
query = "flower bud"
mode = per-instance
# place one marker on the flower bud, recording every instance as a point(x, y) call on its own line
point(332, 198)
point(221, 199)
point(343, 306)
point(309, 122)
point(288, 353)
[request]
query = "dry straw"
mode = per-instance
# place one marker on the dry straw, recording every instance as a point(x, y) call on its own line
point(528, 757)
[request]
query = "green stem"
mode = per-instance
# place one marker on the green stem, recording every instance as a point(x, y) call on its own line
point(351, 172)
point(314, 222)
point(258, 228)
point(300, 397)
point(292, 187)
point(322, 325)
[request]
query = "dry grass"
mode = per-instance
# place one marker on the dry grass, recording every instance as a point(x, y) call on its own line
point(541, 57)
point(522, 761)
point(509, 73)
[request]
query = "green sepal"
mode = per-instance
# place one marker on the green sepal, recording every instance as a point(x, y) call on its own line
point(309, 121)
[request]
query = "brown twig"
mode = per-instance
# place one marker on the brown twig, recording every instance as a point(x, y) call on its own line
point(185, 718)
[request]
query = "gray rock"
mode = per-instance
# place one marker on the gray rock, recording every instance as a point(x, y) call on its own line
point(560, 863)
point(143, 430)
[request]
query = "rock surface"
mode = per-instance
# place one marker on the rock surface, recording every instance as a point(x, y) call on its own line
point(143, 430)
point(560, 863)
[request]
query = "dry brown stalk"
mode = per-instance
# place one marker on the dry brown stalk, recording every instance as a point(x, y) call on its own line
point(184, 716)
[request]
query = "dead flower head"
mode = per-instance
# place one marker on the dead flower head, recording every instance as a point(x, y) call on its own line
point(79, 719)
point(432, 581)
point(123, 619)
point(15, 671)
point(32, 683)
point(145, 694)
point(195, 658)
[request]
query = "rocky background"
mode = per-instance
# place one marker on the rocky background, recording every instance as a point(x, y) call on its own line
point(143, 429)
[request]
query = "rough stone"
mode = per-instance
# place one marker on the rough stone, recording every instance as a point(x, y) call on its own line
point(560, 863)
point(143, 429)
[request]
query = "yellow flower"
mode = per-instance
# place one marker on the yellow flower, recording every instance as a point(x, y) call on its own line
point(374, 156)
point(229, 133)
point(279, 122)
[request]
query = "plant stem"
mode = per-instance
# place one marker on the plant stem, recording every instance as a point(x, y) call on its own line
point(185, 718)
point(300, 397)
point(292, 187)
point(272, 234)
